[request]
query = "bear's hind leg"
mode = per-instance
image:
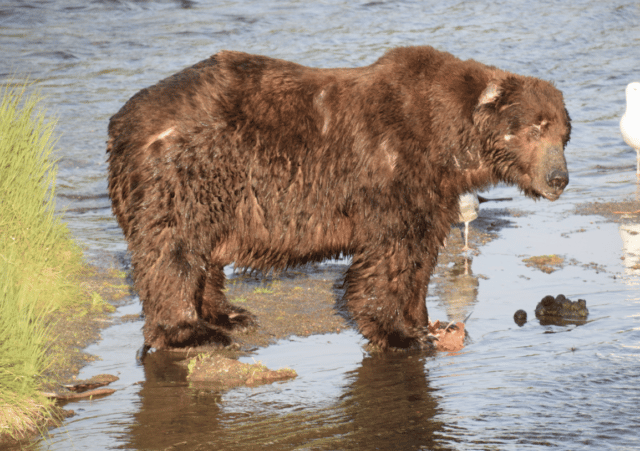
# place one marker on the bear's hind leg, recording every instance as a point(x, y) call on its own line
point(169, 282)
point(216, 309)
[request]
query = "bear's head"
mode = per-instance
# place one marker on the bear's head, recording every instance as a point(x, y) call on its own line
point(525, 127)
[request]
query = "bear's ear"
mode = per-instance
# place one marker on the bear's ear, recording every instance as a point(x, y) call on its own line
point(486, 106)
point(490, 94)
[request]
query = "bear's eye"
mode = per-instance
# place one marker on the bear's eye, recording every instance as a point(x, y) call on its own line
point(537, 129)
point(535, 132)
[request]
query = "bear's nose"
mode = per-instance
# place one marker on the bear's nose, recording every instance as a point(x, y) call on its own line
point(558, 179)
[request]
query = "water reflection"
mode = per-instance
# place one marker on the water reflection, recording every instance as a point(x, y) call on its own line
point(630, 234)
point(169, 411)
point(391, 405)
point(456, 287)
point(386, 403)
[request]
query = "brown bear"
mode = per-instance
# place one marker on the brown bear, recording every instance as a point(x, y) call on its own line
point(268, 164)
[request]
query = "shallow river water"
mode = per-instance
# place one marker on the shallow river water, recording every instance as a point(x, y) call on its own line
point(530, 387)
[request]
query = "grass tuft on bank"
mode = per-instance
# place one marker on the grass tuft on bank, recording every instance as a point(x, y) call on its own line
point(39, 262)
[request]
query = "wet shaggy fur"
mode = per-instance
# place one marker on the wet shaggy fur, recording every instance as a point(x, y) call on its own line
point(270, 164)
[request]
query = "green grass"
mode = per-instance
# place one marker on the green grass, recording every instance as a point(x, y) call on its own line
point(269, 289)
point(39, 262)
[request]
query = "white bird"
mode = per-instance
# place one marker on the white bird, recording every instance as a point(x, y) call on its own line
point(469, 207)
point(630, 122)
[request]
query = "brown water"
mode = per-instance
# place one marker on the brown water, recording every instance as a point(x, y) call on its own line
point(570, 387)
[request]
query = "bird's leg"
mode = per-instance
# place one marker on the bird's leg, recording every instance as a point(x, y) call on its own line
point(466, 237)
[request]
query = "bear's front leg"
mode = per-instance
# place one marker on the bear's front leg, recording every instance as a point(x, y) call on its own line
point(386, 296)
point(216, 309)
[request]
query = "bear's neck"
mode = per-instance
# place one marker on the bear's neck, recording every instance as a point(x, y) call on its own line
point(465, 170)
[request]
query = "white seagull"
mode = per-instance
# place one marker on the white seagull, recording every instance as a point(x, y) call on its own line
point(469, 207)
point(630, 122)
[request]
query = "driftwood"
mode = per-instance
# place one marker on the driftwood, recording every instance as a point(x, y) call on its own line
point(85, 388)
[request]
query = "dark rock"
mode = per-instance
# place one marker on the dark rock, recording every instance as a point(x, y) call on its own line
point(520, 317)
point(561, 311)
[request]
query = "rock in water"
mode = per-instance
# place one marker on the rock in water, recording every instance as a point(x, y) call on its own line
point(225, 373)
point(561, 311)
point(520, 317)
point(630, 122)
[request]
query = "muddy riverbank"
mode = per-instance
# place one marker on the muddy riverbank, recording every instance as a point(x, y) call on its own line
point(76, 328)
point(73, 329)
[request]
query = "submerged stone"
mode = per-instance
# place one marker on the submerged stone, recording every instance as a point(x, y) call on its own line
point(520, 317)
point(561, 311)
point(228, 373)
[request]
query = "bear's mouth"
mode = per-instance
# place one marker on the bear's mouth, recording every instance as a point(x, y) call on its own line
point(551, 184)
point(537, 188)
point(551, 196)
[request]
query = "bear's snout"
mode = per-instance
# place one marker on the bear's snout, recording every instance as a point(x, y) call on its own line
point(551, 177)
point(558, 179)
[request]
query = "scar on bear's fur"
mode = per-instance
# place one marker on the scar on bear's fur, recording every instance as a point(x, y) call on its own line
point(269, 164)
